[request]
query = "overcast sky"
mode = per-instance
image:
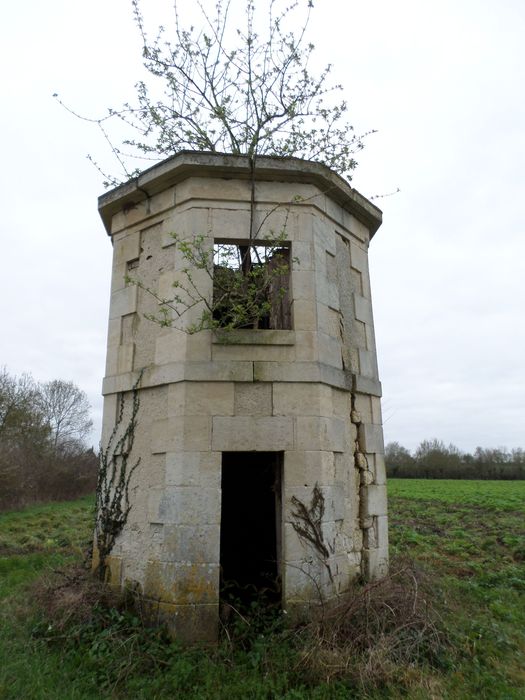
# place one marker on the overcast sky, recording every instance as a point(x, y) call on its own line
point(443, 82)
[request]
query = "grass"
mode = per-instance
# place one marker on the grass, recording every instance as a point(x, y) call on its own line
point(47, 527)
point(40, 538)
point(471, 536)
point(467, 537)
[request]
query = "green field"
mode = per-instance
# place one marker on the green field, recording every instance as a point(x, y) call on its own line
point(467, 538)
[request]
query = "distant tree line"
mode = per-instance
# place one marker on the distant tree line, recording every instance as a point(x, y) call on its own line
point(43, 451)
point(435, 460)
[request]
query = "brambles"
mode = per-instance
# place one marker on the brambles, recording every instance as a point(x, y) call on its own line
point(373, 631)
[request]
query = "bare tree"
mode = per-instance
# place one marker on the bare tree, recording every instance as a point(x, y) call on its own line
point(21, 415)
point(66, 410)
point(221, 87)
point(42, 456)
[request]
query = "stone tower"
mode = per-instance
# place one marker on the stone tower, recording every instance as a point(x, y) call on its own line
point(261, 455)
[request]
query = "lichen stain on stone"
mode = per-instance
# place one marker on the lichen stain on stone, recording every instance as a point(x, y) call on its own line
point(113, 571)
point(179, 584)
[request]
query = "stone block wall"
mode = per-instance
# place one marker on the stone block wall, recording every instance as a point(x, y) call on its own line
point(310, 393)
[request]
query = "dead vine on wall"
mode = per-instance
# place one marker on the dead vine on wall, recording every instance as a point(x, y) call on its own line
point(115, 472)
point(307, 523)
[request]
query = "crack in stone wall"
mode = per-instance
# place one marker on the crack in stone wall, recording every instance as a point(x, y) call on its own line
point(365, 477)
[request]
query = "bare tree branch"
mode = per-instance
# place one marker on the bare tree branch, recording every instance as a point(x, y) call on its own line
point(227, 88)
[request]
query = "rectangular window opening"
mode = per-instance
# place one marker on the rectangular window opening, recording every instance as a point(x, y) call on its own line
point(251, 285)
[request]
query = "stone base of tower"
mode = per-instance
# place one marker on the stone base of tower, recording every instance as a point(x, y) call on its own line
point(328, 503)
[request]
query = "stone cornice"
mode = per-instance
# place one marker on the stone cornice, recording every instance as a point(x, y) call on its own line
point(194, 163)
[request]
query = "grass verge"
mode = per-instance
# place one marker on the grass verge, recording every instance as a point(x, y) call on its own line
point(448, 623)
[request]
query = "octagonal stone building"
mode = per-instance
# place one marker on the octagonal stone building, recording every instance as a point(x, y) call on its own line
point(261, 453)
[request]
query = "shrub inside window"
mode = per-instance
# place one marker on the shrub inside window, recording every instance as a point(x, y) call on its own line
point(251, 286)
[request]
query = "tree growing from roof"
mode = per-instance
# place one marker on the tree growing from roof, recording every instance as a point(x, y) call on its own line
point(239, 86)
point(222, 87)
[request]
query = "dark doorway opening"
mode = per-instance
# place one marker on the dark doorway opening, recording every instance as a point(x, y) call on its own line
point(251, 526)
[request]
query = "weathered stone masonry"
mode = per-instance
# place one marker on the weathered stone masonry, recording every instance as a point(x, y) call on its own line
point(310, 394)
